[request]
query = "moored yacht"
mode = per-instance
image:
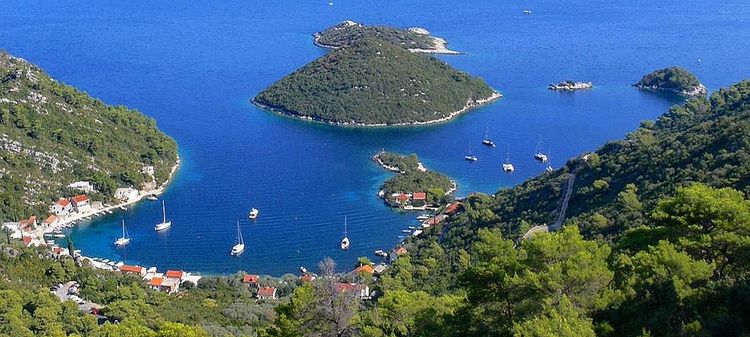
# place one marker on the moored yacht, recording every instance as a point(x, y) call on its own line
point(124, 240)
point(540, 156)
point(507, 166)
point(345, 240)
point(487, 141)
point(240, 246)
point(253, 214)
point(164, 224)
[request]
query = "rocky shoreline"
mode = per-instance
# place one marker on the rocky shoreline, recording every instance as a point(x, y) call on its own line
point(439, 44)
point(570, 86)
point(470, 104)
point(698, 90)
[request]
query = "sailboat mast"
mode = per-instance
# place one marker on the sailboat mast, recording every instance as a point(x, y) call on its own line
point(163, 212)
point(344, 225)
point(239, 233)
point(123, 228)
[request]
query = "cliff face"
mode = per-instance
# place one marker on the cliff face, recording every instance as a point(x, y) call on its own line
point(52, 135)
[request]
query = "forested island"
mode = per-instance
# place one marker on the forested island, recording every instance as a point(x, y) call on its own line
point(53, 135)
point(413, 39)
point(371, 81)
point(672, 79)
point(414, 186)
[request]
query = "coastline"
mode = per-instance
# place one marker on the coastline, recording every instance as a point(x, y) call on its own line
point(69, 222)
point(470, 104)
point(696, 91)
point(439, 46)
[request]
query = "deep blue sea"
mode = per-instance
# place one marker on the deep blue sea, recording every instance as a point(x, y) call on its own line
point(194, 66)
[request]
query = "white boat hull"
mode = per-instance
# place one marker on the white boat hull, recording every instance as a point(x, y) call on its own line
point(163, 226)
point(122, 242)
point(237, 249)
point(345, 244)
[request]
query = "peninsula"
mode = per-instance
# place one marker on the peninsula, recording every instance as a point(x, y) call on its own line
point(373, 82)
point(414, 39)
point(414, 187)
point(59, 142)
point(673, 79)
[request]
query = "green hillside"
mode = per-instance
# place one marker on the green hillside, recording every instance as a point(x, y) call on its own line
point(53, 135)
point(348, 32)
point(376, 83)
point(673, 79)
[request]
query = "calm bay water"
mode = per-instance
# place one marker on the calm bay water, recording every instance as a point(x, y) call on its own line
point(194, 67)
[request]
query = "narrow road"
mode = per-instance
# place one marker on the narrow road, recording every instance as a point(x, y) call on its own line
point(564, 207)
point(560, 216)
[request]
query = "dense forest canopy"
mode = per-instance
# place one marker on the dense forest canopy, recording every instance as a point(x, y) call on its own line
point(373, 81)
point(673, 79)
point(657, 242)
point(348, 32)
point(54, 135)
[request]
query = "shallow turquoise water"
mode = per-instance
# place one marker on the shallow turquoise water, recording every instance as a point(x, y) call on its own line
point(195, 66)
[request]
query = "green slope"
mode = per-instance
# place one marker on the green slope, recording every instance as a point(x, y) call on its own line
point(53, 135)
point(374, 82)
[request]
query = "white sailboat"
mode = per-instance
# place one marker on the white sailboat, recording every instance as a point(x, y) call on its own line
point(507, 166)
point(538, 154)
point(345, 240)
point(487, 141)
point(470, 157)
point(164, 224)
point(124, 240)
point(240, 246)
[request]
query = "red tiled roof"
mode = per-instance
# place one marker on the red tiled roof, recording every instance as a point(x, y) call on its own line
point(155, 282)
point(63, 202)
point(50, 219)
point(402, 197)
point(400, 251)
point(267, 292)
point(80, 198)
point(452, 208)
point(307, 278)
point(131, 269)
point(250, 279)
point(28, 221)
point(174, 274)
point(420, 196)
point(366, 268)
point(57, 250)
point(26, 240)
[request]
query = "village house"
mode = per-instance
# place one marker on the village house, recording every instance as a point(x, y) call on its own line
point(62, 207)
point(401, 198)
point(267, 293)
point(251, 280)
point(58, 252)
point(28, 224)
point(81, 203)
point(170, 285)
point(434, 220)
point(306, 278)
point(365, 268)
point(133, 270)
point(175, 274)
point(362, 291)
point(419, 197)
point(452, 208)
point(51, 220)
point(380, 269)
point(83, 186)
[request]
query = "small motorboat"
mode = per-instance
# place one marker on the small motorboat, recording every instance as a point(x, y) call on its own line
point(471, 158)
point(381, 253)
point(253, 214)
point(152, 197)
point(508, 167)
